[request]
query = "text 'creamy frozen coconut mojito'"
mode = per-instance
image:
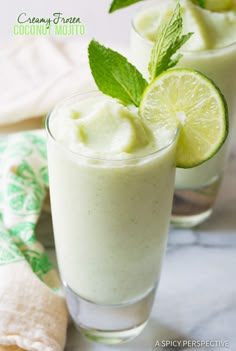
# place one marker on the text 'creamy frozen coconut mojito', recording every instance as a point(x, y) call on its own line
point(111, 168)
point(212, 51)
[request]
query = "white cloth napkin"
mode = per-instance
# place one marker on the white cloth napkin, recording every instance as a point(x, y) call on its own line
point(38, 72)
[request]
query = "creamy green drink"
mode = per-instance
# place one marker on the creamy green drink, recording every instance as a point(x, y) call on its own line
point(111, 186)
point(116, 182)
point(212, 51)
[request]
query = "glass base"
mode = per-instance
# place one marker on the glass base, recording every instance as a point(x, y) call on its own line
point(190, 221)
point(109, 324)
point(193, 206)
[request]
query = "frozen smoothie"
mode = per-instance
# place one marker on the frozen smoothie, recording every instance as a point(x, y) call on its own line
point(111, 185)
point(212, 51)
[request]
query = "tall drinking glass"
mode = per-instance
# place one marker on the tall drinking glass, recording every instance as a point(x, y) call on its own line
point(196, 189)
point(110, 220)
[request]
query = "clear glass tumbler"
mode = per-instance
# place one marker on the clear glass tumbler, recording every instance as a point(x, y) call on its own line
point(110, 220)
point(196, 189)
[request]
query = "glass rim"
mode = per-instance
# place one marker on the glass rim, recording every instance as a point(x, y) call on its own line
point(188, 52)
point(66, 149)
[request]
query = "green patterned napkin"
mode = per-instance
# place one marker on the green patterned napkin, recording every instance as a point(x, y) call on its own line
point(23, 187)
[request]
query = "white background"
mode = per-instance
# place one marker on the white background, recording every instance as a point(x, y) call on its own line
point(108, 29)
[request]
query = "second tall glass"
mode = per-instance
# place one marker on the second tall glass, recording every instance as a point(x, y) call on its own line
point(196, 189)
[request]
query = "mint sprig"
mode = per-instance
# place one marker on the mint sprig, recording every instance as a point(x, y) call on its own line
point(119, 4)
point(114, 75)
point(118, 78)
point(169, 40)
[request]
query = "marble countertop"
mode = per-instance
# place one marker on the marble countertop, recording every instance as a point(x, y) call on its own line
point(196, 299)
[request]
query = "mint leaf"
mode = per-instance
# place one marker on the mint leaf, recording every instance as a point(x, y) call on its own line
point(169, 40)
point(182, 40)
point(119, 4)
point(201, 3)
point(114, 75)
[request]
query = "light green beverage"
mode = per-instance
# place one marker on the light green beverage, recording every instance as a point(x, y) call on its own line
point(212, 51)
point(111, 187)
